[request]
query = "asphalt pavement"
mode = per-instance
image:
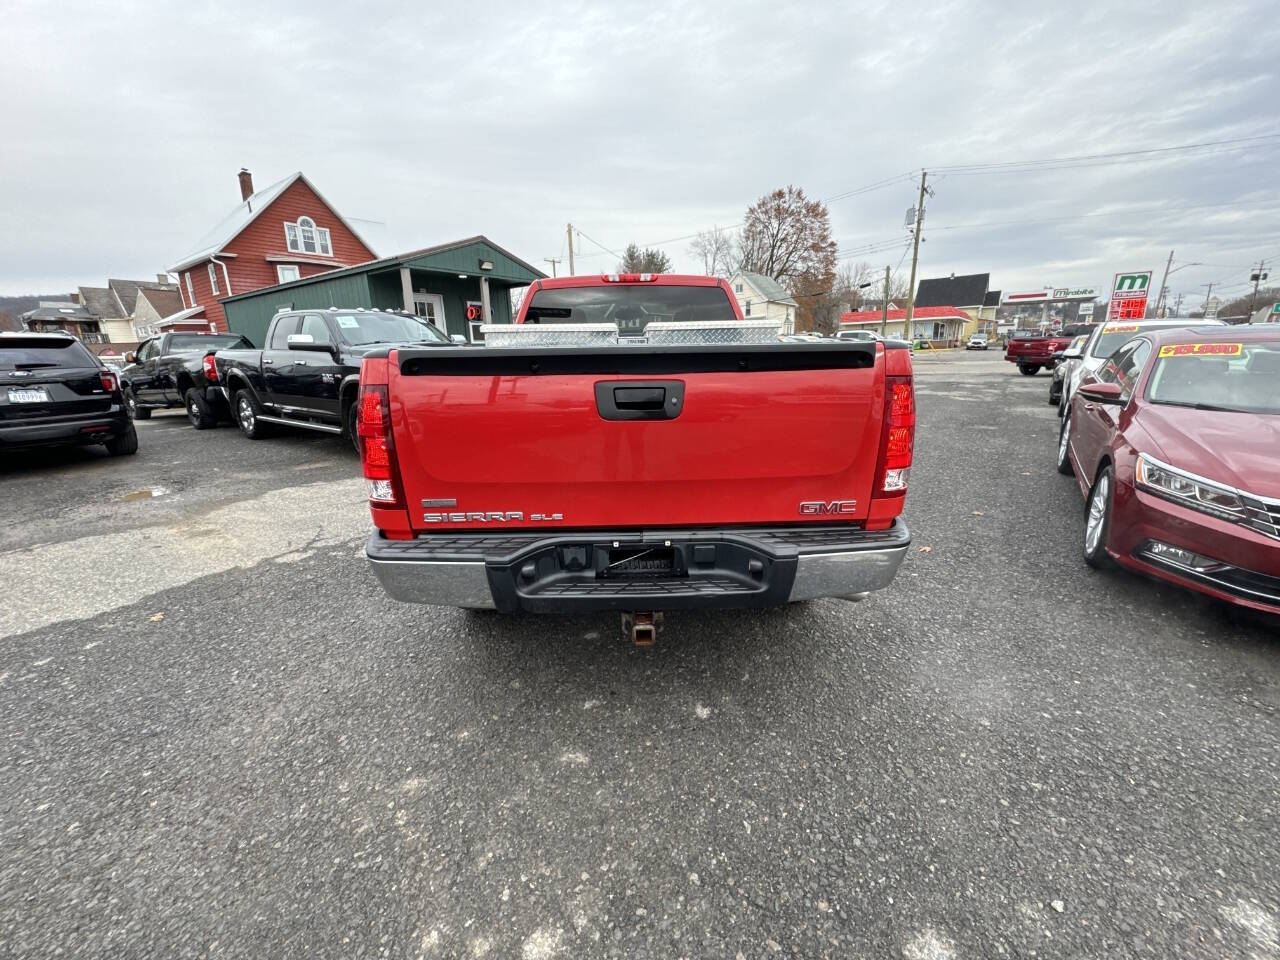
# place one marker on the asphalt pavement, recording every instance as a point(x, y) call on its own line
point(222, 740)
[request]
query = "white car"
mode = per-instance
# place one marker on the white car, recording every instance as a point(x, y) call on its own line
point(978, 341)
point(857, 335)
point(1105, 340)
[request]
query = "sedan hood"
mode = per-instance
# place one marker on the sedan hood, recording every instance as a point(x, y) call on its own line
point(1238, 449)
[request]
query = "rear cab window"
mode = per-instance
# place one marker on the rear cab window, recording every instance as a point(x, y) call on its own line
point(631, 307)
point(35, 353)
point(180, 343)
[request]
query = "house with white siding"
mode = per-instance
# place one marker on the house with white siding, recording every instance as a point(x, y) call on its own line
point(760, 296)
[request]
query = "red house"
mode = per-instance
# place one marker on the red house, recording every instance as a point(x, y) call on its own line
point(283, 232)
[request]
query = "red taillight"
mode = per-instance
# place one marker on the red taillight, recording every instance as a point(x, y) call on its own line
point(898, 439)
point(108, 380)
point(630, 277)
point(377, 449)
point(210, 369)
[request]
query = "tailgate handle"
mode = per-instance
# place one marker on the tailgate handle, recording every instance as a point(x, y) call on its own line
point(640, 399)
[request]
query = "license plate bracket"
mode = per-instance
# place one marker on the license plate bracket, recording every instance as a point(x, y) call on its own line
point(28, 395)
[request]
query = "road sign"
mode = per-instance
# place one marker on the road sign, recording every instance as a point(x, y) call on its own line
point(1275, 309)
point(1129, 296)
point(1085, 310)
point(1211, 308)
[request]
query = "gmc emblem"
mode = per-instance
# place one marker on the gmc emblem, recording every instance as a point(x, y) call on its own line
point(827, 507)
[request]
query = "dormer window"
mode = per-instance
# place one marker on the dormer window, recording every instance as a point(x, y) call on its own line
point(305, 237)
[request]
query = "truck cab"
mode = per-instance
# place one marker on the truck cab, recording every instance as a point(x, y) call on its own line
point(308, 372)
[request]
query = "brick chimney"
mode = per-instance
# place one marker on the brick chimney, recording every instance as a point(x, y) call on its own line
point(246, 184)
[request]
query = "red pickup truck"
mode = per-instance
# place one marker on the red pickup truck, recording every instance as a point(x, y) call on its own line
point(638, 474)
point(1031, 350)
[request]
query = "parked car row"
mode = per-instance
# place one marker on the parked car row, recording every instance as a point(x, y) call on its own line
point(1174, 440)
point(55, 392)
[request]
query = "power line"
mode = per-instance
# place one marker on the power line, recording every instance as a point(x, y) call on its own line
point(1090, 158)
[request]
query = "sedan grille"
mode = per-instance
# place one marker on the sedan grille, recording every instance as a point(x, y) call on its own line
point(1262, 515)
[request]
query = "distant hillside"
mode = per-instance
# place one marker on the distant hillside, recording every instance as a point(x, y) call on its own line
point(13, 307)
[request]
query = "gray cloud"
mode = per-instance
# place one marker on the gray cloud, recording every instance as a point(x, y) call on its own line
point(643, 122)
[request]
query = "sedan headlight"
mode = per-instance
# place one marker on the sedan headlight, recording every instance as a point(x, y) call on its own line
point(1187, 489)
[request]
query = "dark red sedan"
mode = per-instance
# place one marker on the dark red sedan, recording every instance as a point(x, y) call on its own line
point(1176, 445)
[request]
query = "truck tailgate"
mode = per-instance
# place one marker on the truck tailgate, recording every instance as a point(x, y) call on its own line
point(623, 436)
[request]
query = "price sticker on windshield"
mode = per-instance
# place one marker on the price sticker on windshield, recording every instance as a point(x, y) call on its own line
point(1202, 350)
point(1120, 328)
point(348, 323)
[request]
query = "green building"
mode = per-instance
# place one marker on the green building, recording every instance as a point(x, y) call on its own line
point(457, 286)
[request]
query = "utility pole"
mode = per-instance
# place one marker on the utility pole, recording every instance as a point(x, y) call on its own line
point(884, 310)
point(569, 233)
point(553, 261)
point(1257, 276)
point(1177, 307)
point(1207, 294)
point(915, 257)
point(1163, 280)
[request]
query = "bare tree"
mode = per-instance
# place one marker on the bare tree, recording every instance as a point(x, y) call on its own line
point(846, 293)
point(715, 248)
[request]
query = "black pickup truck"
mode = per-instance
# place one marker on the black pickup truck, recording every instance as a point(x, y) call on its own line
point(173, 370)
point(309, 374)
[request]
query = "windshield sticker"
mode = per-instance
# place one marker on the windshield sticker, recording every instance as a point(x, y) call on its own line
point(1120, 328)
point(1202, 350)
point(348, 323)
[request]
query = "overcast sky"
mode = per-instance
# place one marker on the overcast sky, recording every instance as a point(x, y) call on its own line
point(125, 125)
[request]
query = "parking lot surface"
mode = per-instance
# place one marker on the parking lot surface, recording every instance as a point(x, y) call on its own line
point(222, 739)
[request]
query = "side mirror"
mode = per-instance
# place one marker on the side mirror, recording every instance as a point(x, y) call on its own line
point(305, 341)
point(1072, 355)
point(130, 357)
point(457, 338)
point(1101, 392)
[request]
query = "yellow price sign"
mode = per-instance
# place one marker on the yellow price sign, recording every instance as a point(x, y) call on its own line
point(1120, 328)
point(1202, 350)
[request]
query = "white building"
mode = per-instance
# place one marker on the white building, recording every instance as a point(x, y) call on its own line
point(760, 296)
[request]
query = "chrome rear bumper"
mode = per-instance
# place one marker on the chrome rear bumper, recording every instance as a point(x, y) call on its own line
point(760, 567)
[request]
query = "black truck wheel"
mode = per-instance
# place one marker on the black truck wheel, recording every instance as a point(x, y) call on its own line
point(124, 444)
point(1028, 369)
point(199, 412)
point(247, 410)
point(353, 421)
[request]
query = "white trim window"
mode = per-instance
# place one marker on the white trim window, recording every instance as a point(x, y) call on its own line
point(305, 237)
point(287, 272)
point(746, 309)
point(213, 280)
point(191, 290)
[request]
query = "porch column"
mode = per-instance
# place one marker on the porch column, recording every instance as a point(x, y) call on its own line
point(406, 289)
point(484, 299)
